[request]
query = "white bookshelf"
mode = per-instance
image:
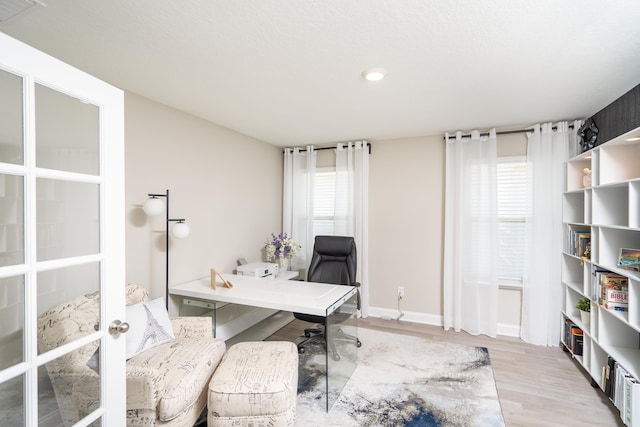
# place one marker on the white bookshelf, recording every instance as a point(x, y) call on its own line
point(610, 208)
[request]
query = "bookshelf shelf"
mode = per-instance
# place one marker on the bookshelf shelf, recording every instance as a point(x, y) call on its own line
point(609, 209)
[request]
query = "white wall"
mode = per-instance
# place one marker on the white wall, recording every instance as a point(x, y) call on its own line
point(227, 185)
point(406, 208)
point(406, 228)
point(229, 188)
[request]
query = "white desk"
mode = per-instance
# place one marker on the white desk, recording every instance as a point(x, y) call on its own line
point(335, 302)
point(320, 299)
point(255, 308)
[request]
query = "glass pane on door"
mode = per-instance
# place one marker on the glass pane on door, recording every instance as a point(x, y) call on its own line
point(11, 120)
point(68, 215)
point(12, 398)
point(67, 132)
point(69, 387)
point(11, 220)
point(68, 305)
point(48, 409)
point(11, 322)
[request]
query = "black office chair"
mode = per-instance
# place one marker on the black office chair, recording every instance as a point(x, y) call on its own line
point(333, 261)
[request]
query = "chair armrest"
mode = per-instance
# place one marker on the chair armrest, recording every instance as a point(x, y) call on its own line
point(190, 327)
point(143, 388)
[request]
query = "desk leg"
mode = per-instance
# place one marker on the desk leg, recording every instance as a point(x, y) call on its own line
point(342, 345)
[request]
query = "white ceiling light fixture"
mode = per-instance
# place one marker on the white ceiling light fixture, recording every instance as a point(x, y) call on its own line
point(374, 74)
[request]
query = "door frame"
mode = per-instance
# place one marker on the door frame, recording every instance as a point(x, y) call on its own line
point(34, 67)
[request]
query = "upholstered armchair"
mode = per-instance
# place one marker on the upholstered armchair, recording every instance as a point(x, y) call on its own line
point(166, 384)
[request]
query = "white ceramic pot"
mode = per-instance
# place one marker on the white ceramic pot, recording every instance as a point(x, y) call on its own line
point(585, 317)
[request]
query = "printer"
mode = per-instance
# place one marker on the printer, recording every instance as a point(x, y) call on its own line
point(258, 269)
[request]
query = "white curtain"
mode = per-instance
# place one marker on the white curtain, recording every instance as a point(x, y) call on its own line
point(297, 209)
point(351, 216)
point(471, 234)
point(547, 151)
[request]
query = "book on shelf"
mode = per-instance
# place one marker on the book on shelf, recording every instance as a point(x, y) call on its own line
point(573, 337)
point(567, 332)
point(579, 240)
point(595, 283)
point(630, 411)
point(629, 259)
point(617, 299)
point(615, 306)
point(618, 295)
point(612, 289)
point(577, 341)
point(574, 340)
point(609, 379)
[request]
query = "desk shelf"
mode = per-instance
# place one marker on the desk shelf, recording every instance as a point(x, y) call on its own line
point(229, 320)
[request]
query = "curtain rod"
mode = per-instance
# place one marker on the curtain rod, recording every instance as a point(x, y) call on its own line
point(506, 132)
point(332, 148)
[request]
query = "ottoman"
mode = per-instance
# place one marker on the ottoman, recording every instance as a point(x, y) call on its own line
point(255, 385)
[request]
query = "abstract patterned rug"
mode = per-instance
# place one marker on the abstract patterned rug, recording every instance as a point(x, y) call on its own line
point(403, 381)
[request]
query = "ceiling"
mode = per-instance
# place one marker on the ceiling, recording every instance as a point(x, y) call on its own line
point(288, 72)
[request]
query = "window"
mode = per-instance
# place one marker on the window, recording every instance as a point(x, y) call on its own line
point(324, 199)
point(512, 227)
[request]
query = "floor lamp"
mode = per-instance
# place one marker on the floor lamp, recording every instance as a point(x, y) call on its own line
point(154, 206)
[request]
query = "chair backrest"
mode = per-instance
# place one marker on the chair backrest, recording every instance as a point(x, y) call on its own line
point(333, 260)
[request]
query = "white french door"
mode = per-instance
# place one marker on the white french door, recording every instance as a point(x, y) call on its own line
point(61, 232)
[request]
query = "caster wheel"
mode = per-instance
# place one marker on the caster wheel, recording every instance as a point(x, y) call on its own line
point(335, 357)
point(358, 344)
point(307, 334)
point(301, 350)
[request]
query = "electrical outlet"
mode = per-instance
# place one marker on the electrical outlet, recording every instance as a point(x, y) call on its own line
point(400, 292)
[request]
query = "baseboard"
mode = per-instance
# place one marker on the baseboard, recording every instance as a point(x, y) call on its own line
point(433, 319)
point(407, 316)
point(509, 330)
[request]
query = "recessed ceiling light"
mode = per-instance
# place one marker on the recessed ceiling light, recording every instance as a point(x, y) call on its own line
point(374, 74)
point(635, 138)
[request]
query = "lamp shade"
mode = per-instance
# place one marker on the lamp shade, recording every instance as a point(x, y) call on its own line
point(180, 230)
point(153, 206)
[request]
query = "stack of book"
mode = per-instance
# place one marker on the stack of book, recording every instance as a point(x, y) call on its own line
point(623, 390)
point(611, 290)
point(573, 337)
point(579, 241)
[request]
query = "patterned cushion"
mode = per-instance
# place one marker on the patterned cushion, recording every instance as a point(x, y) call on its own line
point(135, 294)
point(255, 379)
point(149, 326)
point(172, 374)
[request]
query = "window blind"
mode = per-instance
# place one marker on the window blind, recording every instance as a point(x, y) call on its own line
point(324, 199)
point(512, 211)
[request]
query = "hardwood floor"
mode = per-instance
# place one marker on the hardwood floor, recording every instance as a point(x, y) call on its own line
point(537, 386)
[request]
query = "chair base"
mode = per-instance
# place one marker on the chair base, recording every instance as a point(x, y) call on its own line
point(313, 335)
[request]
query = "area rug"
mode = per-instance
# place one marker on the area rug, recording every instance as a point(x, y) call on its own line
point(402, 380)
